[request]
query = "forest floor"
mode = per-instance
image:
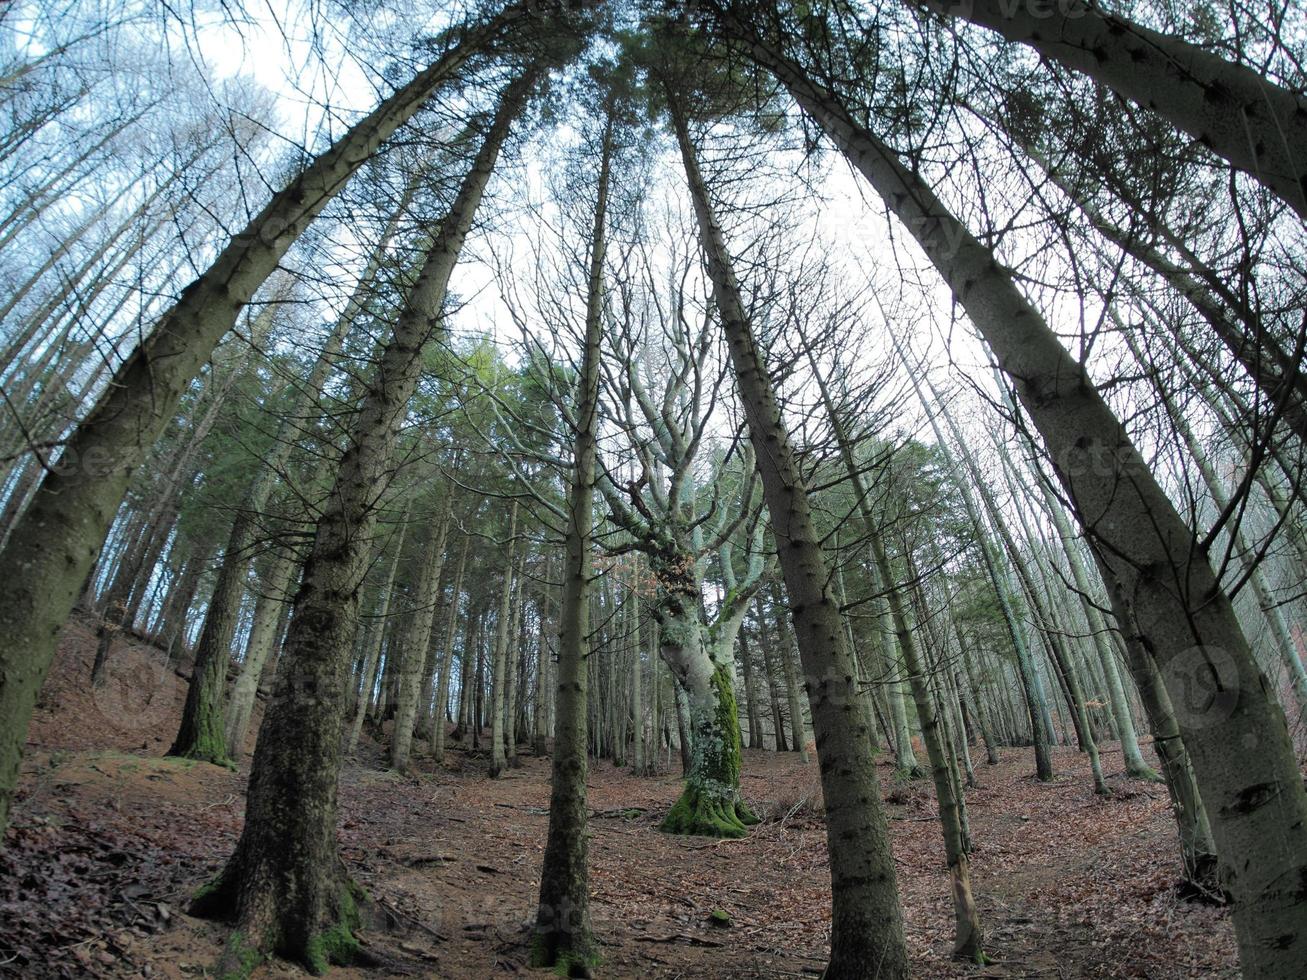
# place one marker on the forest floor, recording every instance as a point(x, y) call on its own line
point(108, 840)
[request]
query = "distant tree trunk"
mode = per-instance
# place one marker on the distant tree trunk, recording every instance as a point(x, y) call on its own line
point(982, 716)
point(968, 935)
point(773, 679)
point(512, 669)
point(284, 885)
point(750, 693)
point(866, 923)
point(438, 720)
point(413, 649)
point(376, 635)
point(1031, 685)
point(503, 637)
point(637, 694)
point(273, 598)
point(904, 756)
point(786, 652)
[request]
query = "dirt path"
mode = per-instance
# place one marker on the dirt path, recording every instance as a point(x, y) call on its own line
point(108, 843)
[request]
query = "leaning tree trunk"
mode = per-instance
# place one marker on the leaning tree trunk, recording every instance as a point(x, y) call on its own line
point(1174, 607)
point(866, 922)
point(200, 734)
point(56, 541)
point(285, 885)
point(905, 758)
point(1041, 731)
point(1255, 125)
point(273, 597)
point(562, 937)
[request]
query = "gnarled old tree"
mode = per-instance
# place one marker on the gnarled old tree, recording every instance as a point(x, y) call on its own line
point(664, 383)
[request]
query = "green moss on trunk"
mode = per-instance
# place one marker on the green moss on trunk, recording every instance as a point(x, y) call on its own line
point(710, 804)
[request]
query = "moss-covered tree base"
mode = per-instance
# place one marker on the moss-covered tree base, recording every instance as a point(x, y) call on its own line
point(333, 945)
point(563, 952)
point(208, 745)
point(703, 815)
point(1145, 773)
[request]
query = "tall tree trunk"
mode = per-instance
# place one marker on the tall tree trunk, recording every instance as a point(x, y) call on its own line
point(58, 538)
point(284, 885)
point(1173, 606)
point(866, 923)
point(562, 938)
point(1256, 125)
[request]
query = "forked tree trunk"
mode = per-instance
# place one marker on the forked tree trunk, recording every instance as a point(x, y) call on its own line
point(710, 803)
point(285, 884)
point(866, 923)
point(56, 541)
point(1257, 126)
point(1171, 602)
